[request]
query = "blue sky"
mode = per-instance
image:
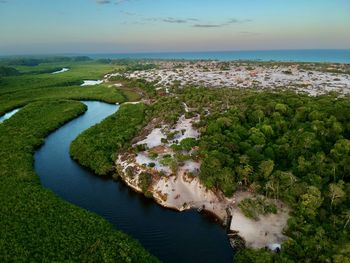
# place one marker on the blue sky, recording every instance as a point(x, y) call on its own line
point(102, 26)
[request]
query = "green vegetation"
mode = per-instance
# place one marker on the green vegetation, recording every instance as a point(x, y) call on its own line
point(7, 71)
point(168, 160)
point(257, 256)
point(17, 99)
point(286, 146)
point(35, 61)
point(17, 91)
point(96, 148)
point(252, 208)
point(36, 224)
point(282, 145)
point(145, 181)
point(144, 87)
point(130, 64)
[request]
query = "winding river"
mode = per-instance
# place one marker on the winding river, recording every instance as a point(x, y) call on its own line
point(171, 236)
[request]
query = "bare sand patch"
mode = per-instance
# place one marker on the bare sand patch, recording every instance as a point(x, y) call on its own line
point(265, 231)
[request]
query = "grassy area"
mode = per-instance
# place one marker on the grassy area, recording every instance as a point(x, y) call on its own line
point(20, 98)
point(96, 147)
point(37, 225)
point(131, 95)
point(17, 91)
point(252, 208)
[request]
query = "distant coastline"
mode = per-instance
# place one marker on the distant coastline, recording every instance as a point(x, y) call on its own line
point(325, 55)
point(297, 55)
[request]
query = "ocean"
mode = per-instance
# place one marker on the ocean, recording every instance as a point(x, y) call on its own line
point(332, 56)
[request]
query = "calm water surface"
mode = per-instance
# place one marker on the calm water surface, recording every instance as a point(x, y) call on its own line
point(171, 236)
point(326, 55)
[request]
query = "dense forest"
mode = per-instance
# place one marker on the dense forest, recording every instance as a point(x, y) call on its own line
point(97, 147)
point(30, 214)
point(35, 61)
point(286, 146)
point(37, 83)
point(8, 71)
point(37, 225)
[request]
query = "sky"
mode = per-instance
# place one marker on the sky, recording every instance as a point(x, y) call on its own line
point(128, 26)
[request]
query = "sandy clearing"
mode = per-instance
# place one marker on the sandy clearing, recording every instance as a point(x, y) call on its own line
point(185, 125)
point(264, 232)
point(91, 82)
point(153, 139)
point(261, 77)
point(184, 192)
point(142, 158)
point(8, 115)
point(60, 71)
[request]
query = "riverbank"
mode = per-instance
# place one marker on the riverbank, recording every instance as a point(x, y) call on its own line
point(159, 228)
point(35, 229)
point(181, 192)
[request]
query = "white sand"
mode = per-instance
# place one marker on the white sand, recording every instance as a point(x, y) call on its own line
point(132, 102)
point(153, 139)
point(60, 71)
point(143, 159)
point(264, 232)
point(262, 77)
point(185, 124)
point(185, 107)
point(91, 82)
point(183, 193)
point(190, 166)
point(8, 115)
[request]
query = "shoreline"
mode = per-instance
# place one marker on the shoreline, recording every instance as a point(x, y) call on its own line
point(179, 192)
point(266, 231)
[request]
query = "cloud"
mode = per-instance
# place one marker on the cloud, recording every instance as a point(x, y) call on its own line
point(174, 20)
point(227, 23)
point(103, 2)
point(171, 20)
point(193, 22)
point(208, 25)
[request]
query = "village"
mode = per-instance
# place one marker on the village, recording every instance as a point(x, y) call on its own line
point(274, 76)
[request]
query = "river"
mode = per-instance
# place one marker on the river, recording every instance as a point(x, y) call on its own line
point(170, 235)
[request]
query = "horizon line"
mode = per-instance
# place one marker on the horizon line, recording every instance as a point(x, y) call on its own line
point(167, 52)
